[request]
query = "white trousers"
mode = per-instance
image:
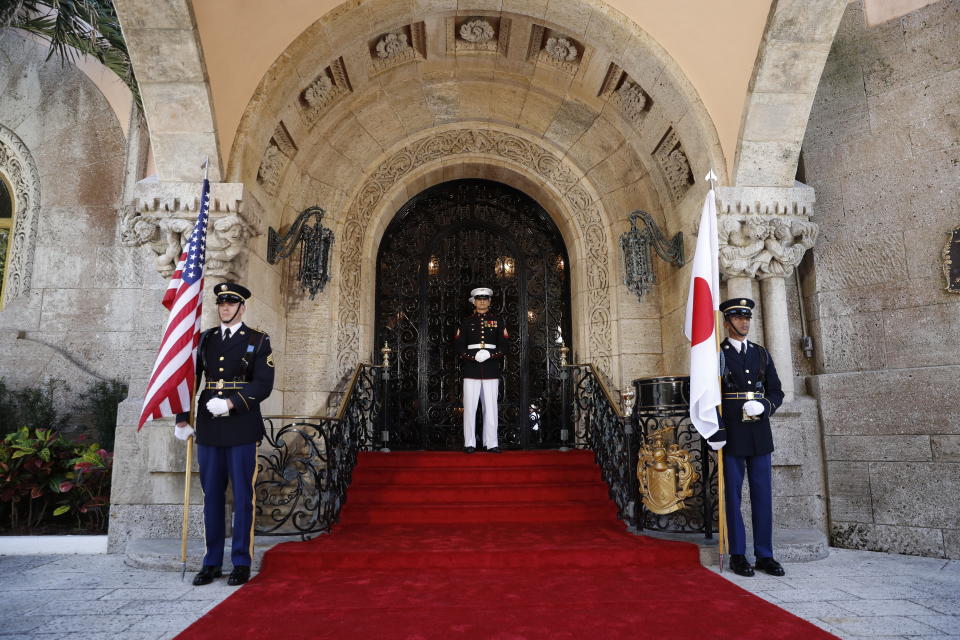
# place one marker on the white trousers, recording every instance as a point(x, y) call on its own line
point(473, 390)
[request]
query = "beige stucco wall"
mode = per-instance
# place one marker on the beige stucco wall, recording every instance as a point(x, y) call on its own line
point(882, 150)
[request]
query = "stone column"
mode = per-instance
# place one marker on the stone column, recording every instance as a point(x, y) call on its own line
point(776, 330)
point(739, 287)
point(764, 232)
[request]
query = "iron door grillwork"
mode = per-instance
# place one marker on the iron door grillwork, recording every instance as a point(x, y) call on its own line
point(441, 244)
point(664, 402)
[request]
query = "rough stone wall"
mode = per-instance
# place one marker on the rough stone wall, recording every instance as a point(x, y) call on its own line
point(87, 296)
point(882, 150)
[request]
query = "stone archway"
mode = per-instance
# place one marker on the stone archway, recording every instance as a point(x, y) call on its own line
point(582, 211)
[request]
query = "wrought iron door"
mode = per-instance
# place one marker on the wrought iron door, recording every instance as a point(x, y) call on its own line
point(441, 244)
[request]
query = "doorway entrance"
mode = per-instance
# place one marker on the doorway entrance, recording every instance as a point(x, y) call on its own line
point(441, 244)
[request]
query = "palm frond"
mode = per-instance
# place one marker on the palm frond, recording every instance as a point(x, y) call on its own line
point(74, 28)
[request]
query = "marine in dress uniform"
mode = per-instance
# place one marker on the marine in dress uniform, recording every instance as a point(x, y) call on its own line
point(481, 343)
point(751, 394)
point(236, 362)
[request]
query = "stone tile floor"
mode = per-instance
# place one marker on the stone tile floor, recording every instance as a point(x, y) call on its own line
point(852, 594)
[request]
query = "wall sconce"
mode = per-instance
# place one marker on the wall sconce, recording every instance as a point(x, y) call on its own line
point(505, 267)
point(314, 242)
point(560, 264)
point(433, 266)
point(531, 315)
point(637, 262)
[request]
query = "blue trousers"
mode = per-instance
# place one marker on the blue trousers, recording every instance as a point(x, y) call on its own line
point(759, 474)
point(217, 464)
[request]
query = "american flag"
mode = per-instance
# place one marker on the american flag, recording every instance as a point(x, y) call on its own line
point(174, 374)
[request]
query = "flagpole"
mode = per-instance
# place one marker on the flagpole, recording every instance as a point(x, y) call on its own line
point(721, 498)
point(188, 471)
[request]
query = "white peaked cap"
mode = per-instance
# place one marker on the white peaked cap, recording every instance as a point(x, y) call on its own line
point(480, 291)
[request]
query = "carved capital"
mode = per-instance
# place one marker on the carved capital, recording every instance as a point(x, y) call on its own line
point(162, 216)
point(764, 231)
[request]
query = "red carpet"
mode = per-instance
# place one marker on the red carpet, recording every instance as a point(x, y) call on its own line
point(520, 546)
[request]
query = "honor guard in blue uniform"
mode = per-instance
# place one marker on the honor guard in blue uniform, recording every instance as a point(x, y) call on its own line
point(236, 363)
point(751, 393)
point(481, 343)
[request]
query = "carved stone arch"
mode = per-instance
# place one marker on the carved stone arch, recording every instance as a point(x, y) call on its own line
point(794, 49)
point(584, 227)
point(20, 171)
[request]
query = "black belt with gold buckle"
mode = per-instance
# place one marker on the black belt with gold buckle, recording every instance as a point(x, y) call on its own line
point(226, 385)
point(745, 395)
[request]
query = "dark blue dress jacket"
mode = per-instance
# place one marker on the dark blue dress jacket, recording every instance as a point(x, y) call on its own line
point(245, 365)
point(753, 372)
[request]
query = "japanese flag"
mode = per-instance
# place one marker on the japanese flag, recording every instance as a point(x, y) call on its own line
point(700, 326)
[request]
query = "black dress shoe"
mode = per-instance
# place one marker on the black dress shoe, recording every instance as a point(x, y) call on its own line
point(469, 449)
point(206, 576)
point(239, 575)
point(770, 566)
point(740, 566)
point(494, 450)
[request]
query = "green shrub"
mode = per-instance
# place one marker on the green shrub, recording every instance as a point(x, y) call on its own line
point(8, 409)
point(100, 403)
point(35, 406)
point(42, 475)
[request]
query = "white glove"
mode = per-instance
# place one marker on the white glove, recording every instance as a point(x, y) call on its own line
point(482, 356)
point(182, 433)
point(752, 408)
point(218, 406)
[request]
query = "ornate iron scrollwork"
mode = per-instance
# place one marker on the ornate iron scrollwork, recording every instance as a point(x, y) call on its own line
point(637, 261)
point(662, 418)
point(599, 425)
point(305, 465)
point(442, 243)
point(315, 243)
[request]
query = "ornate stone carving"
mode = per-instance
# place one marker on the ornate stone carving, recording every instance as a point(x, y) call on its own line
point(951, 261)
point(478, 34)
point(393, 45)
point(621, 90)
point(764, 232)
point(18, 167)
point(561, 50)
point(505, 147)
point(763, 247)
point(276, 157)
point(398, 47)
point(673, 161)
point(555, 49)
point(477, 31)
point(162, 216)
point(328, 87)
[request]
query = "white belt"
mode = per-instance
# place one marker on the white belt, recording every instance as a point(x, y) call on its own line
point(482, 345)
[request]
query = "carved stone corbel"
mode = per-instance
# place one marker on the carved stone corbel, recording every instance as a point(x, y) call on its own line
point(162, 216)
point(764, 232)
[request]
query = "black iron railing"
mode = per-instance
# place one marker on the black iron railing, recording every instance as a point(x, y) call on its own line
point(305, 464)
point(599, 424)
point(663, 406)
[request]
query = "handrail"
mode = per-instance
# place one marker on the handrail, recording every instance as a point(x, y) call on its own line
point(306, 465)
point(603, 386)
point(602, 426)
